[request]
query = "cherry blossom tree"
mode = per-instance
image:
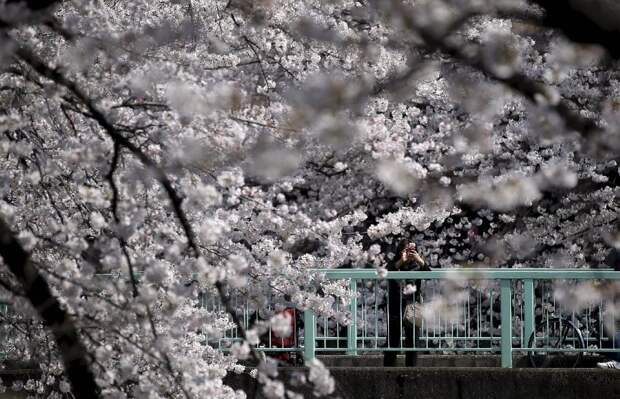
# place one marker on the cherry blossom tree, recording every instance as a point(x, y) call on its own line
point(155, 150)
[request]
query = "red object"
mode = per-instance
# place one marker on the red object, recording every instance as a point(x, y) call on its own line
point(285, 342)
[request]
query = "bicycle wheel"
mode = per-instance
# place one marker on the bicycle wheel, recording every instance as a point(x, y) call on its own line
point(550, 337)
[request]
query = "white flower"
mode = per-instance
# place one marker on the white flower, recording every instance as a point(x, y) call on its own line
point(401, 177)
point(238, 369)
point(64, 386)
point(273, 389)
point(558, 175)
point(208, 195)
point(281, 324)
point(503, 194)
point(34, 177)
point(211, 230)
point(252, 337)
point(156, 273)
point(273, 161)
point(445, 181)
point(324, 383)
point(340, 166)
point(97, 221)
point(410, 289)
point(277, 259)
point(240, 351)
point(237, 263)
point(126, 368)
point(27, 240)
point(93, 196)
point(231, 178)
point(10, 121)
point(186, 98)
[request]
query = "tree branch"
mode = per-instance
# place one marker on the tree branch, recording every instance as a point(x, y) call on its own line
point(175, 199)
point(117, 137)
point(518, 82)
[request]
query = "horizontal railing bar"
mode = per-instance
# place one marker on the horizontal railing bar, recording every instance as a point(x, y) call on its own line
point(442, 338)
point(475, 274)
point(469, 273)
point(497, 350)
point(425, 349)
point(493, 350)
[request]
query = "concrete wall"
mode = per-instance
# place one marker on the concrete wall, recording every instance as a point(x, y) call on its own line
point(468, 382)
point(458, 383)
point(469, 360)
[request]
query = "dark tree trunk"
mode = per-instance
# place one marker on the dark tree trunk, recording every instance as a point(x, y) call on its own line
point(74, 354)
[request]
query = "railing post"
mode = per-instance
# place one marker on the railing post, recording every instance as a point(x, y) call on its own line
point(506, 316)
point(528, 310)
point(309, 335)
point(352, 327)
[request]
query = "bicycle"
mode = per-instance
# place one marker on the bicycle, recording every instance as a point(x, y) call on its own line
point(557, 337)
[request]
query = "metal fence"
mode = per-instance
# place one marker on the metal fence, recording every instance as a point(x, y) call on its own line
point(502, 311)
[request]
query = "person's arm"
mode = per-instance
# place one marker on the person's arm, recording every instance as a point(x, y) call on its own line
point(420, 264)
point(418, 260)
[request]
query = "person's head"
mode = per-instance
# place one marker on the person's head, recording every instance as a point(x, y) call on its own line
point(405, 244)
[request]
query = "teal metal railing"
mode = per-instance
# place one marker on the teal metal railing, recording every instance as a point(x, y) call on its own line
point(509, 282)
point(497, 310)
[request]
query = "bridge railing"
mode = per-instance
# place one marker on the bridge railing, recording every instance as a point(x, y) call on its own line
point(465, 311)
point(480, 310)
